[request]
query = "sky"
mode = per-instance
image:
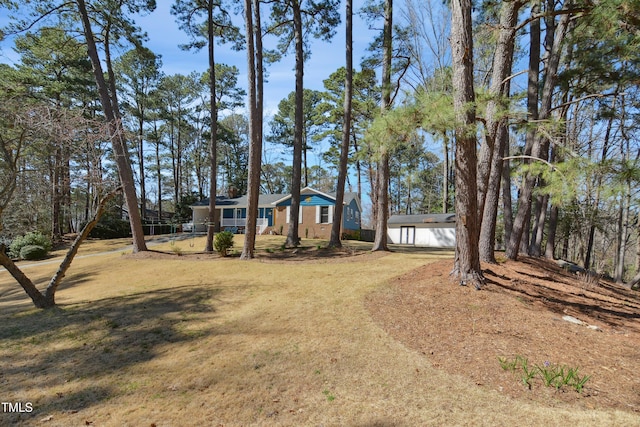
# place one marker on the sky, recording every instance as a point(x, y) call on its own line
point(326, 57)
point(164, 38)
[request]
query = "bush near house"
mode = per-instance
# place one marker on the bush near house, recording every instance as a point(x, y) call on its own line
point(111, 227)
point(223, 242)
point(33, 252)
point(34, 238)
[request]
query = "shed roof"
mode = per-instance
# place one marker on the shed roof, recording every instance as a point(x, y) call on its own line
point(447, 218)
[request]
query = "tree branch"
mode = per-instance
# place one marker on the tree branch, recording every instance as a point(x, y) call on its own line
point(73, 250)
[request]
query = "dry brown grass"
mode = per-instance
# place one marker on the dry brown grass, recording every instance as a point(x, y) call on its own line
point(198, 340)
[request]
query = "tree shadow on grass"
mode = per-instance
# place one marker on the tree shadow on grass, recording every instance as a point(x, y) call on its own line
point(83, 347)
point(14, 300)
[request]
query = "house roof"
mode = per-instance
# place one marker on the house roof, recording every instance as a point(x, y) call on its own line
point(305, 190)
point(264, 200)
point(268, 200)
point(348, 197)
point(447, 218)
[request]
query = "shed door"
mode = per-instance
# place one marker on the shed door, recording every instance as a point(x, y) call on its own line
point(407, 235)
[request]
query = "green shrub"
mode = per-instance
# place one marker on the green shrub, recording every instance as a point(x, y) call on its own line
point(223, 242)
point(33, 252)
point(111, 227)
point(34, 238)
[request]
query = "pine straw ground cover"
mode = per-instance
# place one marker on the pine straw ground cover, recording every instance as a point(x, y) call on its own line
point(314, 337)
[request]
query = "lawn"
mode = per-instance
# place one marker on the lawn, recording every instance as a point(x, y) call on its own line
point(162, 339)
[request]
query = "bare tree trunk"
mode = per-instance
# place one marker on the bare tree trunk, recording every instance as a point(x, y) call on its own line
point(638, 247)
point(467, 261)
point(507, 207)
point(498, 101)
point(56, 194)
point(539, 219)
point(358, 168)
point(524, 203)
point(119, 145)
point(496, 133)
point(293, 238)
point(255, 81)
point(26, 283)
point(623, 229)
point(487, 240)
point(445, 173)
point(158, 175)
point(213, 142)
point(55, 281)
point(382, 175)
point(66, 192)
point(141, 167)
point(48, 299)
point(336, 227)
point(551, 235)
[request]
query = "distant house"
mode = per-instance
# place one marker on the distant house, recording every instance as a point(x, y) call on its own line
point(315, 217)
point(429, 230)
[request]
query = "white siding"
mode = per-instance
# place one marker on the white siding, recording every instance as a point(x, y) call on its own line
point(433, 237)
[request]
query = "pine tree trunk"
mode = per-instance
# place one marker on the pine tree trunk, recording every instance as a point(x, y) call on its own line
point(524, 204)
point(213, 142)
point(336, 227)
point(496, 133)
point(293, 238)
point(119, 145)
point(445, 174)
point(487, 239)
point(623, 230)
point(255, 79)
point(467, 261)
point(507, 207)
point(551, 235)
point(143, 190)
point(535, 248)
point(382, 175)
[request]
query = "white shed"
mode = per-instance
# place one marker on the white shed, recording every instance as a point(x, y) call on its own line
point(429, 230)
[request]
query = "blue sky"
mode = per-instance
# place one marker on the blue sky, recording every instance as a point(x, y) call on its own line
point(164, 38)
point(326, 57)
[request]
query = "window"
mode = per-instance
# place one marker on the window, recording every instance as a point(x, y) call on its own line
point(324, 214)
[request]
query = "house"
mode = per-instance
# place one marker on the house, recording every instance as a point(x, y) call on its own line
point(315, 217)
point(430, 230)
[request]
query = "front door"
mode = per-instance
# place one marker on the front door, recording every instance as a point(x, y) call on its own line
point(407, 235)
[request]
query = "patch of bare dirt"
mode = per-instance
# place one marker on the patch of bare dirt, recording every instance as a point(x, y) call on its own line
point(306, 254)
point(520, 312)
point(309, 254)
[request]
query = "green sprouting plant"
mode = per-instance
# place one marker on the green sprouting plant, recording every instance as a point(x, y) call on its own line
point(330, 397)
point(551, 375)
point(508, 365)
point(579, 382)
point(573, 379)
point(557, 376)
point(527, 373)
